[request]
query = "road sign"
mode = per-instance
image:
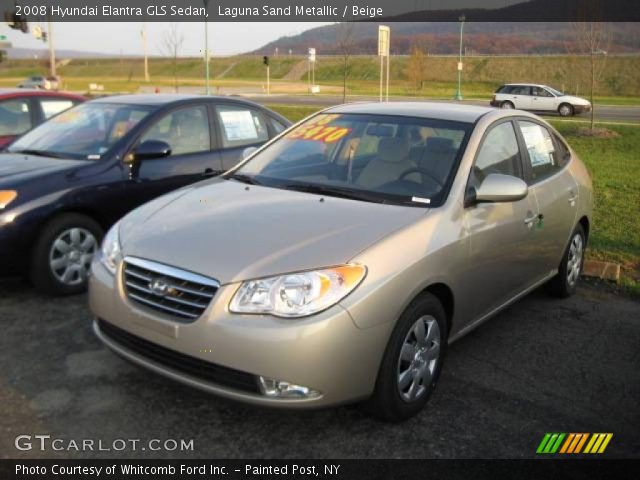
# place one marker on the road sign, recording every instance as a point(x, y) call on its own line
point(37, 32)
point(384, 33)
point(3, 37)
point(312, 55)
point(460, 66)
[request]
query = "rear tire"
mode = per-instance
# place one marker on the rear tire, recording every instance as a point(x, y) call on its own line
point(62, 255)
point(412, 361)
point(565, 110)
point(507, 105)
point(564, 284)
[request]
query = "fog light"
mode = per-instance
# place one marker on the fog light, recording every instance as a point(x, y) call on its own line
point(282, 389)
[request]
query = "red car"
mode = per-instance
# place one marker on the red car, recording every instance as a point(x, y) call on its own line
point(21, 110)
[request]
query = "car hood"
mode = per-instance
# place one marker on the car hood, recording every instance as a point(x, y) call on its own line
point(575, 100)
point(15, 168)
point(232, 232)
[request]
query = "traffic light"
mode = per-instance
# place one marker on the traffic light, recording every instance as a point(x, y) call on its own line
point(265, 60)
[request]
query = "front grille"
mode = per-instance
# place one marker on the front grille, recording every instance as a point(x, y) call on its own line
point(206, 371)
point(182, 295)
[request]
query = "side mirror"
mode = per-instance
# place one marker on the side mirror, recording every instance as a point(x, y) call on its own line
point(149, 150)
point(497, 188)
point(248, 151)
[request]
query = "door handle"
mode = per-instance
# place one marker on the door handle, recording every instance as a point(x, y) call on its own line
point(573, 197)
point(533, 218)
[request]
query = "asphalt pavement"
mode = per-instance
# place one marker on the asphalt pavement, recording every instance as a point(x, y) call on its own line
point(604, 113)
point(543, 365)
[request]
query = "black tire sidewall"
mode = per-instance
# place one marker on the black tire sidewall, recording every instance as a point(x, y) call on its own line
point(386, 402)
point(512, 107)
point(40, 272)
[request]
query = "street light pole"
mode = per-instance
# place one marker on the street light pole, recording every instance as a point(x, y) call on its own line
point(206, 49)
point(458, 95)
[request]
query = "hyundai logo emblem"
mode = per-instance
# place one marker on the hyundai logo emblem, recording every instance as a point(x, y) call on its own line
point(159, 287)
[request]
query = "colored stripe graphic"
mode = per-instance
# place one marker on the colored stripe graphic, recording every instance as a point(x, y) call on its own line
point(551, 442)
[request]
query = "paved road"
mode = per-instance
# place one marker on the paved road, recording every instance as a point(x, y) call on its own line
point(543, 365)
point(616, 114)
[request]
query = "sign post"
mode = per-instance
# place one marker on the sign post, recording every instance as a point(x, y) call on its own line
point(384, 34)
point(312, 70)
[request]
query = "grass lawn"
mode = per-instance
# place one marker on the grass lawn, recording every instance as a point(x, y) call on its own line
point(614, 164)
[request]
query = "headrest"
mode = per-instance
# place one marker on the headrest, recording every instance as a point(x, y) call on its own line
point(439, 145)
point(380, 131)
point(393, 149)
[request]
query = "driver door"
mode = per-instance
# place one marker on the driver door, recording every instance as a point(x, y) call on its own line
point(501, 256)
point(188, 132)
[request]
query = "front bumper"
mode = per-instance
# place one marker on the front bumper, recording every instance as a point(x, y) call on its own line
point(326, 352)
point(578, 109)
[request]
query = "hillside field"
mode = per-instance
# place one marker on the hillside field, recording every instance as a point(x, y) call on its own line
point(618, 83)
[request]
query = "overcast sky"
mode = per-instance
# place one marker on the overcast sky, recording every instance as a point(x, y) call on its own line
point(115, 38)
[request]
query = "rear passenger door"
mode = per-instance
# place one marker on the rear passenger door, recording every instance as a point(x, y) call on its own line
point(521, 97)
point(554, 188)
point(239, 127)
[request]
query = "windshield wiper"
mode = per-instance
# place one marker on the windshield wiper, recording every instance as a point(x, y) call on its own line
point(241, 177)
point(335, 192)
point(39, 153)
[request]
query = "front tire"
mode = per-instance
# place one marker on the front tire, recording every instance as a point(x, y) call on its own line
point(412, 361)
point(564, 284)
point(565, 110)
point(62, 255)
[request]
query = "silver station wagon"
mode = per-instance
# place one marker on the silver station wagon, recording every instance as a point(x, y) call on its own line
point(338, 261)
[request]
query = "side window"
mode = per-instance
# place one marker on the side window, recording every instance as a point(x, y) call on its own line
point(521, 90)
point(53, 106)
point(498, 154)
point(186, 130)
point(543, 157)
point(539, 92)
point(564, 155)
point(278, 128)
point(15, 117)
point(241, 126)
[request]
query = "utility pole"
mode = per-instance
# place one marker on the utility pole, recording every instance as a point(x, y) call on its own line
point(206, 48)
point(52, 52)
point(458, 95)
point(143, 33)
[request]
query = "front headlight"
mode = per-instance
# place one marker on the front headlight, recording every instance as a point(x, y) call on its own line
point(110, 253)
point(297, 294)
point(6, 197)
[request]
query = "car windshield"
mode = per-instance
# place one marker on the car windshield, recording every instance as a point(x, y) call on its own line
point(377, 158)
point(85, 132)
point(557, 93)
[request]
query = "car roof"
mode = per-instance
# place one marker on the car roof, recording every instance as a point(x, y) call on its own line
point(525, 85)
point(439, 110)
point(28, 92)
point(161, 99)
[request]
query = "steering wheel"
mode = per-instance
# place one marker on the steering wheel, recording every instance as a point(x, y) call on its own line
point(422, 171)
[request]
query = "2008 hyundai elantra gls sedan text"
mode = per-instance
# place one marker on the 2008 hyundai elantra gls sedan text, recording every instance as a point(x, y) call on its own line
point(337, 262)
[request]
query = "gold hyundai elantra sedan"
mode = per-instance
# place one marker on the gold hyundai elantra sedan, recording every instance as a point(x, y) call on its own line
point(338, 261)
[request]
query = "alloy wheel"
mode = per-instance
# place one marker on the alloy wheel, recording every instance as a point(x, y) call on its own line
point(418, 358)
point(71, 254)
point(574, 262)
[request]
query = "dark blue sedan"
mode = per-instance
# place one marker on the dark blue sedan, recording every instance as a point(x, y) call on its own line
point(65, 182)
